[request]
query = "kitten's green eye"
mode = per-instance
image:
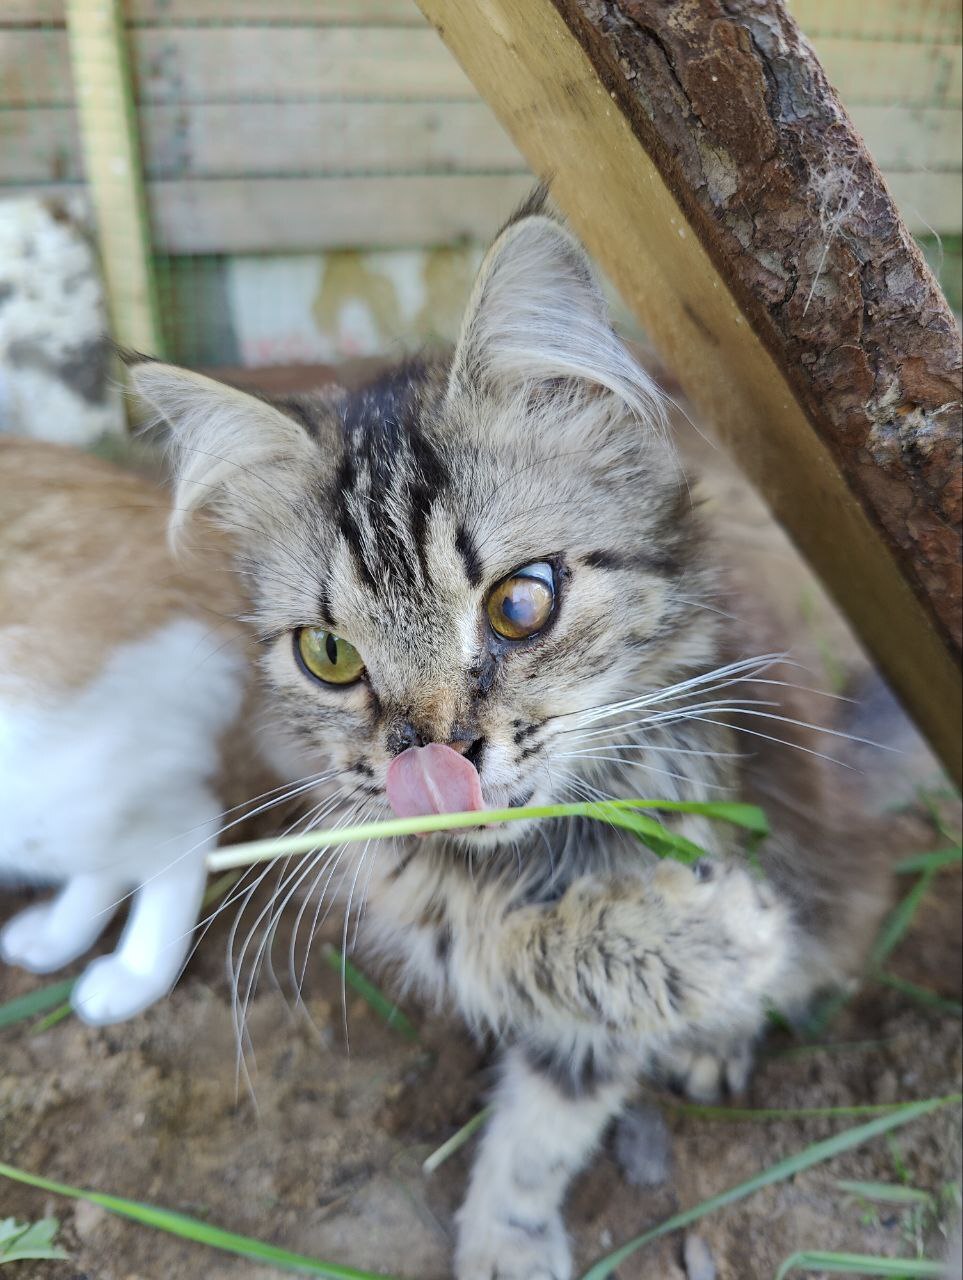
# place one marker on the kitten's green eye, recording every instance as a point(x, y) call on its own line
point(327, 656)
point(522, 604)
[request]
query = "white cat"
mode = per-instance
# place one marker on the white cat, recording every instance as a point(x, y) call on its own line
point(120, 673)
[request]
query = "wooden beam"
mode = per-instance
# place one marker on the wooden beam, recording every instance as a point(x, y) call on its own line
point(701, 154)
point(108, 131)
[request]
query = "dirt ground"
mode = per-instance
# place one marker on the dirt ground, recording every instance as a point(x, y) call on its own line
point(326, 1160)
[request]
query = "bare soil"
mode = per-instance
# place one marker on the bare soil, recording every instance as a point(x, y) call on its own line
point(326, 1157)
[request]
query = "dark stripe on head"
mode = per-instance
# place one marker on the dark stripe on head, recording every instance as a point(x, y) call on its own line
point(429, 480)
point(324, 609)
point(466, 548)
point(344, 482)
point(661, 563)
point(384, 437)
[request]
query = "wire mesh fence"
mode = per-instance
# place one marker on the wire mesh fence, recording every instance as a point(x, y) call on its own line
point(296, 181)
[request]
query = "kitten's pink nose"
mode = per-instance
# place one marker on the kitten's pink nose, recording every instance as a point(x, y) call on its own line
point(432, 779)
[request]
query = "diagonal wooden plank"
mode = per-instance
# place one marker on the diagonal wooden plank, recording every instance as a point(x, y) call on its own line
point(706, 162)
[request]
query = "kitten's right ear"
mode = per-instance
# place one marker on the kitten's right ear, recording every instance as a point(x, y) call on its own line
point(231, 450)
point(537, 317)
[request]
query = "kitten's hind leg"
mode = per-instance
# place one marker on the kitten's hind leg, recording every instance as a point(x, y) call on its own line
point(546, 1124)
point(156, 938)
point(49, 935)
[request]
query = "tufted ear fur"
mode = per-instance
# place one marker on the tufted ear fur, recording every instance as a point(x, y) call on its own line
point(537, 317)
point(232, 452)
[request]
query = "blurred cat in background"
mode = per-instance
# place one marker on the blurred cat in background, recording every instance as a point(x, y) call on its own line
point(479, 581)
point(122, 673)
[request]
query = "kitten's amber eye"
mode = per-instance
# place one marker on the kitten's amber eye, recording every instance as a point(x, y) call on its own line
point(523, 603)
point(328, 657)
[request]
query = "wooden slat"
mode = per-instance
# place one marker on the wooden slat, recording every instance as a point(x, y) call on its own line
point(879, 72)
point(283, 215)
point(227, 216)
point(880, 20)
point(185, 64)
point(206, 64)
point(906, 138)
point(402, 13)
point(927, 201)
point(309, 214)
point(39, 144)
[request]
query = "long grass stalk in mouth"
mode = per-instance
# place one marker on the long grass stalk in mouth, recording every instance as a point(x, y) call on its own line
point(621, 813)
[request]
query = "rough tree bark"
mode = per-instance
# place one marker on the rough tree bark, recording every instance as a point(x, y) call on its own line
point(699, 149)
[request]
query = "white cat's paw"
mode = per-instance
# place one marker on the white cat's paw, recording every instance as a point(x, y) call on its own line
point(111, 991)
point(28, 941)
point(513, 1249)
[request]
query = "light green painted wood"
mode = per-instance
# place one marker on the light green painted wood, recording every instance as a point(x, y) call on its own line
point(108, 133)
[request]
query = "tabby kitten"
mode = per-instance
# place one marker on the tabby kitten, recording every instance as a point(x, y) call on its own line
point(480, 581)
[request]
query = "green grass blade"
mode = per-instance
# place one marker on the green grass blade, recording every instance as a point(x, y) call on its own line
point(779, 1172)
point(61, 1012)
point(178, 1224)
point(39, 1001)
point(781, 1113)
point(935, 860)
point(376, 999)
point(897, 923)
point(885, 1192)
point(619, 812)
point(219, 888)
point(857, 1264)
point(922, 995)
point(455, 1142)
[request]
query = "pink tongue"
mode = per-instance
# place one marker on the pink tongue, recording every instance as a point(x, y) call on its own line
point(432, 779)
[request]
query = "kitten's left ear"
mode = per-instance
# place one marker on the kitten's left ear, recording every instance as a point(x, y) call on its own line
point(231, 451)
point(537, 315)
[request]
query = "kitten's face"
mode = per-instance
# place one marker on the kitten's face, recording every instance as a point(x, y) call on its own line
point(469, 552)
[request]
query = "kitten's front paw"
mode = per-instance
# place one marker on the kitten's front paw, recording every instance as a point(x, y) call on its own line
point(512, 1249)
point(111, 991)
point(29, 942)
point(707, 1075)
point(742, 927)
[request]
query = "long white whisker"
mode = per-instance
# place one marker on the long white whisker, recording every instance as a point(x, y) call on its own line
point(674, 713)
point(783, 742)
point(640, 764)
point(240, 1006)
point(291, 884)
point(694, 683)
